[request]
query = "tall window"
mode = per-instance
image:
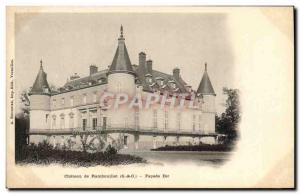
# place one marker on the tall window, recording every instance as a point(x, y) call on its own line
point(155, 119)
point(83, 124)
point(166, 123)
point(72, 101)
point(53, 121)
point(84, 99)
point(63, 101)
point(47, 115)
point(62, 121)
point(179, 120)
point(137, 119)
point(125, 140)
point(94, 123)
point(71, 123)
point(194, 122)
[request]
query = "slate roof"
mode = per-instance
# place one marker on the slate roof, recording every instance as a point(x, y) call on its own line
point(40, 85)
point(121, 61)
point(97, 78)
point(205, 86)
point(101, 78)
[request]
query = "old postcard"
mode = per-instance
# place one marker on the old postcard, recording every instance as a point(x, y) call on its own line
point(150, 97)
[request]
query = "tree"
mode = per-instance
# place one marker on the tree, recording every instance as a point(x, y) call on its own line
point(94, 143)
point(25, 103)
point(228, 122)
point(22, 126)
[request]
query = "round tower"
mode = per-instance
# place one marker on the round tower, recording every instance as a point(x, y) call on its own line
point(39, 97)
point(121, 80)
point(206, 91)
point(121, 77)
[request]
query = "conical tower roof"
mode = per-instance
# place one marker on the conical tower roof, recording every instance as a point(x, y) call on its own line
point(40, 85)
point(205, 86)
point(121, 62)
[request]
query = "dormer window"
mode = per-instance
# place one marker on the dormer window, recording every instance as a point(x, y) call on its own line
point(189, 88)
point(46, 90)
point(149, 79)
point(161, 82)
point(173, 85)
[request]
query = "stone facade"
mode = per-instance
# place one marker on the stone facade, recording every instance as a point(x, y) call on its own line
point(56, 115)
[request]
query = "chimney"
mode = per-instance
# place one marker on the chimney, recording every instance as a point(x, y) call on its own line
point(176, 73)
point(149, 66)
point(93, 69)
point(75, 76)
point(142, 60)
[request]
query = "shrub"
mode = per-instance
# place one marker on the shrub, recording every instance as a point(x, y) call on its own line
point(45, 154)
point(110, 150)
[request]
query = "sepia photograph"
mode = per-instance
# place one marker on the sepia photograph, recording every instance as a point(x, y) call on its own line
point(150, 97)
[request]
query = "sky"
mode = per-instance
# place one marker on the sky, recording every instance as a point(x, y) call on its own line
point(71, 42)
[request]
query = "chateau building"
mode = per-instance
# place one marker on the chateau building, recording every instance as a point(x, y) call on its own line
point(78, 108)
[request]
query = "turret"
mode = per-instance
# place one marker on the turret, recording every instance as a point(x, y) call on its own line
point(121, 77)
point(121, 80)
point(40, 101)
point(206, 91)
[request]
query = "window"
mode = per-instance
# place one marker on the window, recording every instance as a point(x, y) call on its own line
point(194, 124)
point(94, 123)
point(104, 122)
point(174, 85)
point(71, 123)
point(154, 119)
point(125, 140)
point(95, 97)
point(149, 80)
point(166, 120)
point(62, 121)
point(84, 99)
point(83, 124)
point(179, 120)
point(63, 101)
point(161, 82)
point(53, 121)
point(47, 115)
point(72, 101)
point(136, 119)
